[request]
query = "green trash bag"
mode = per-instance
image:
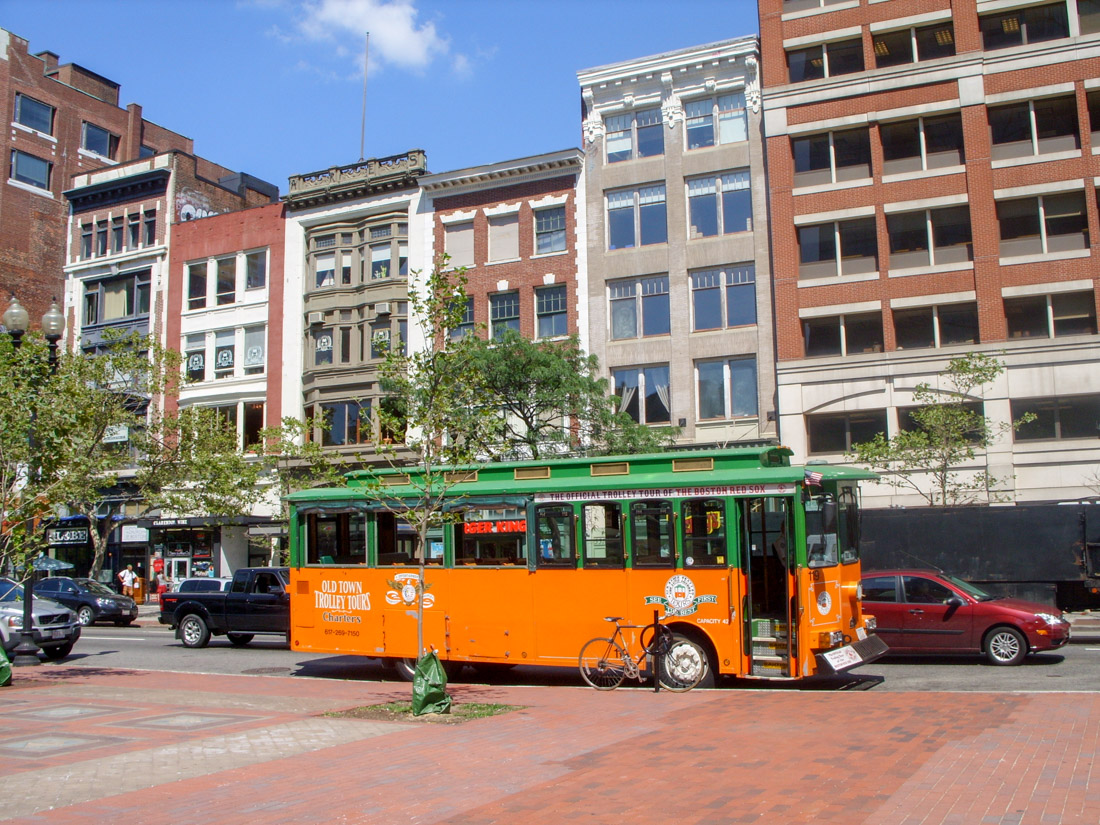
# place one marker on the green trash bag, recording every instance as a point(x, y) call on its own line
point(430, 687)
point(5, 669)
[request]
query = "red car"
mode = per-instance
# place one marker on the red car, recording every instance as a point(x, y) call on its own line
point(923, 611)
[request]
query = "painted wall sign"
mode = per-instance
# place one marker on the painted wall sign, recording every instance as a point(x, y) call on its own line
point(673, 492)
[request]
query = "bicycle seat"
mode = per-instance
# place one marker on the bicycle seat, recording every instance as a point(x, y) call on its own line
point(611, 618)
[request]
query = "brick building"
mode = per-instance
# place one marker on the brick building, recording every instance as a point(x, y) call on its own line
point(932, 170)
point(514, 226)
point(65, 121)
point(679, 275)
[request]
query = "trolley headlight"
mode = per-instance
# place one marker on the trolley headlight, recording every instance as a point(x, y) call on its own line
point(832, 639)
point(870, 623)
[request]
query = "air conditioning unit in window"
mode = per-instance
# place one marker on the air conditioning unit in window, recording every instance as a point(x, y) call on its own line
point(316, 318)
point(382, 308)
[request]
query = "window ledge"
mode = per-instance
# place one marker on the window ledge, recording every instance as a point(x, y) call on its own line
point(549, 254)
point(830, 187)
point(1041, 158)
point(714, 423)
point(838, 279)
point(930, 270)
point(919, 174)
point(797, 15)
point(1046, 256)
point(34, 132)
point(26, 187)
point(503, 261)
point(85, 153)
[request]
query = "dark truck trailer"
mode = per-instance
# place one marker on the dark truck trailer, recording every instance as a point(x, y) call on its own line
point(1048, 553)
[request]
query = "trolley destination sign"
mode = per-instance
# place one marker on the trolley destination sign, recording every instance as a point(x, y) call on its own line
point(741, 490)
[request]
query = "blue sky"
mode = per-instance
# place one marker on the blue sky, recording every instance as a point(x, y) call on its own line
point(274, 87)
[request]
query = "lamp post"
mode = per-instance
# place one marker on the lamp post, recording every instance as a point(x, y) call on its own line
point(16, 321)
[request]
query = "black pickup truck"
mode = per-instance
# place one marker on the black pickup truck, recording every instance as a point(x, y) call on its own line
point(258, 602)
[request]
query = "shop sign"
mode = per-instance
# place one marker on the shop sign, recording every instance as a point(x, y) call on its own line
point(67, 535)
point(134, 533)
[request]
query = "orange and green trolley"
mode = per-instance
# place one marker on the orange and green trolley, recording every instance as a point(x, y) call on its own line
point(750, 558)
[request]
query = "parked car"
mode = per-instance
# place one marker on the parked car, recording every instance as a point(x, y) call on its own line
point(202, 584)
point(91, 600)
point(926, 611)
point(257, 602)
point(55, 627)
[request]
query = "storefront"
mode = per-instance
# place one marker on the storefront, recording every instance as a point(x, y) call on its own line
point(194, 547)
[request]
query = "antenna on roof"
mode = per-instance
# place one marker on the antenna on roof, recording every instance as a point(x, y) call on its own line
point(363, 128)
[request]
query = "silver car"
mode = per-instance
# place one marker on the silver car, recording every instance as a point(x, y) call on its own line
point(55, 629)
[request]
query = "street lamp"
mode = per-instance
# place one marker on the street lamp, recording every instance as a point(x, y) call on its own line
point(16, 320)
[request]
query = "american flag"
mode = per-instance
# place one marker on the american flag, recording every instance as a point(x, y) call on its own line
point(813, 478)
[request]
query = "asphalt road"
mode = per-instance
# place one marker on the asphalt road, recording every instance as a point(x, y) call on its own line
point(1073, 668)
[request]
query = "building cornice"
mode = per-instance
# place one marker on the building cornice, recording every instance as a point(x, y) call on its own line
point(505, 173)
point(119, 189)
point(357, 180)
point(654, 65)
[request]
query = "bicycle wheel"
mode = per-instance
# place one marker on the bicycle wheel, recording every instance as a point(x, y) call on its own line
point(654, 644)
point(683, 665)
point(601, 664)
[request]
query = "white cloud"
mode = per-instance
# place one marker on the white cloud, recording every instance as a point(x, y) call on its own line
point(396, 36)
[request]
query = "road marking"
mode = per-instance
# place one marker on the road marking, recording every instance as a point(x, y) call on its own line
point(113, 638)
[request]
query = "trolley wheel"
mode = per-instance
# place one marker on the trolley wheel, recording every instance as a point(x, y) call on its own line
point(406, 668)
point(684, 664)
point(602, 664)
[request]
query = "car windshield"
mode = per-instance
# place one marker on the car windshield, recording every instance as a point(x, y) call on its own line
point(10, 591)
point(970, 589)
point(92, 586)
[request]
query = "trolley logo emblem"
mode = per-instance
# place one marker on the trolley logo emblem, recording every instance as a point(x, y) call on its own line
point(680, 598)
point(824, 603)
point(405, 588)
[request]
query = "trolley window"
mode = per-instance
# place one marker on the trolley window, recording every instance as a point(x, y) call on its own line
point(491, 535)
point(704, 530)
point(651, 532)
point(603, 535)
point(397, 543)
point(554, 533)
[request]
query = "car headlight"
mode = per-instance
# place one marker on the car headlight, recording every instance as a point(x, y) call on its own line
point(15, 622)
point(1049, 618)
point(104, 602)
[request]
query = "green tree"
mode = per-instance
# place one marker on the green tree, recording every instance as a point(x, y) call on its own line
point(436, 401)
point(552, 401)
point(99, 432)
point(948, 430)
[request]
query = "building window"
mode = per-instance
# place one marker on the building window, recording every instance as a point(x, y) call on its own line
point(504, 237)
point(146, 151)
point(195, 357)
point(503, 313)
point(30, 170)
point(150, 227)
point(911, 45)
point(723, 297)
point(727, 389)
point(921, 144)
point(1051, 316)
point(460, 243)
point(116, 236)
point(325, 269)
point(1020, 26)
point(550, 230)
point(837, 432)
point(98, 140)
point(841, 248)
point(346, 422)
point(116, 299)
point(196, 285)
point(1044, 224)
point(1088, 16)
point(721, 201)
point(643, 393)
point(227, 281)
point(33, 114)
point(933, 237)
point(322, 347)
point(85, 240)
point(843, 334)
point(225, 353)
point(255, 270)
point(101, 238)
point(1073, 416)
point(714, 120)
point(551, 312)
point(832, 157)
point(827, 60)
point(639, 305)
point(635, 135)
point(466, 324)
point(636, 217)
point(1034, 127)
point(936, 326)
point(134, 230)
point(255, 350)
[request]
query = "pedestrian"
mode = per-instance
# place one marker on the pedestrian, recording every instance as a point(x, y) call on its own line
point(164, 583)
point(127, 577)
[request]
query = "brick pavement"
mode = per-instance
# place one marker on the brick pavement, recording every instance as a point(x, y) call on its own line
point(87, 745)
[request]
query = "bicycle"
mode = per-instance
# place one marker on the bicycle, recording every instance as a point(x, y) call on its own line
point(605, 663)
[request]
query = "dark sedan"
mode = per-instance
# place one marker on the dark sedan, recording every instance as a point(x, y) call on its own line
point(91, 600)
point(924, 611)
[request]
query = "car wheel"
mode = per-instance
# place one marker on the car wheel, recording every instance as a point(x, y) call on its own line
point(1005, 646)
point(57, 651)
point(240, 639)
point(193, 631)
point(85, 615)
